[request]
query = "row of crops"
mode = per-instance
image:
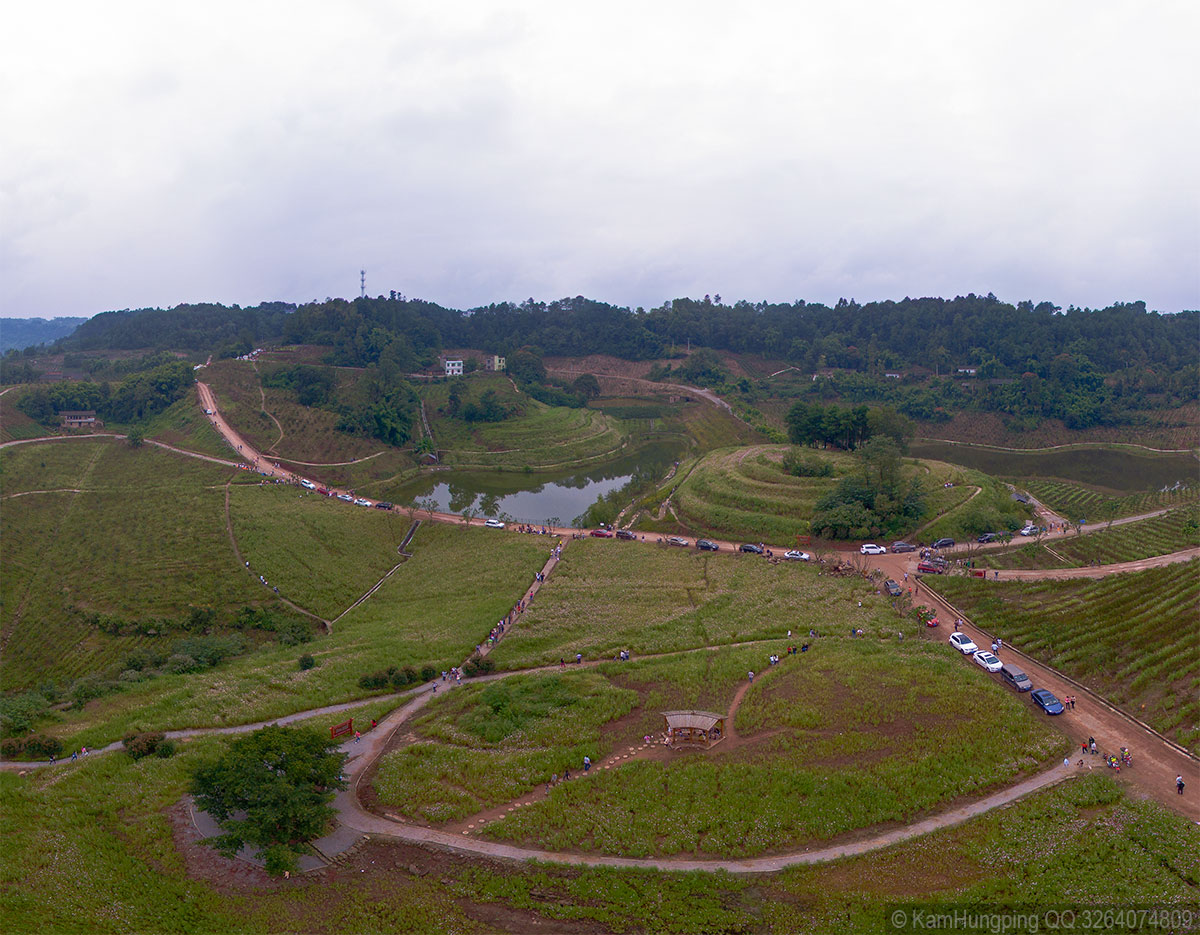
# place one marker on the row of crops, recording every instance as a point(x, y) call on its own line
point(1131, 637)
point(1076, 502)
point(1173, 531)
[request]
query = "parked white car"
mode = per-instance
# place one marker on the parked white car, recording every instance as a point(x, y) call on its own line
point(988, 660)
point(494, 524)
point(795, 555)
point(872, 549)
point(962, 643)
point(362, 501)
point(308, 485)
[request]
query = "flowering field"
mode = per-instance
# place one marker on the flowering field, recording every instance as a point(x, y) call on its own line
point(852, 734)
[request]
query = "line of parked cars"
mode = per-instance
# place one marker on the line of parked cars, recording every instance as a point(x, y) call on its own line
point(1009, 674)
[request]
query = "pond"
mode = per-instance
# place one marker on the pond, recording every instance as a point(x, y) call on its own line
point(555, 499)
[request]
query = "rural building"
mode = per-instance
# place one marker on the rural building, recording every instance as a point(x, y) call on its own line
point(78, 418)
point(966, 371)
point(893, 376)
point(493, 362)
point(694, 727)
point(454, 368)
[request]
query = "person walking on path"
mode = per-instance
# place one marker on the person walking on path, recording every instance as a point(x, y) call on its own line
point(357, 736)
point(1179, 785)
point(751, 674)
point(587, 763)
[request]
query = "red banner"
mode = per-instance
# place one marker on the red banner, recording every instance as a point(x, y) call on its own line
point(344, 728)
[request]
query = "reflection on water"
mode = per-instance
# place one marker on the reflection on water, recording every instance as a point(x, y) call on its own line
point(535, 498)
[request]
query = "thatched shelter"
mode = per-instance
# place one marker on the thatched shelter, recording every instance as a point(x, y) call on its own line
point(703, 728)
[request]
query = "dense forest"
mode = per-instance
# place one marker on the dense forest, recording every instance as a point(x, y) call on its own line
point(1030, 361)
point(938, 334)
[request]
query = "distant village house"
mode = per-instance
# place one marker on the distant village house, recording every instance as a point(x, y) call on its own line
point(454, 368)
point(78, 418)
point(493, 362)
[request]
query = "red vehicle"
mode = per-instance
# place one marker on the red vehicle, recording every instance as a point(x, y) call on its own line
point(601, 533)
point(325, 491)
point(930, 568)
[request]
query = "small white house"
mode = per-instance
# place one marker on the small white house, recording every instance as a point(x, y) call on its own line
point(454, 368)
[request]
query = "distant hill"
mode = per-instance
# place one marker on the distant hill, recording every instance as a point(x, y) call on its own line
point(26, 332)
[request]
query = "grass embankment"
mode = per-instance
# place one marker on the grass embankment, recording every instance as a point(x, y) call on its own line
point(1077, 502)
point(852, 734)
point(1160, 535)
point(1131, 638)
point(607, 595)
point(432, 611)
point(320, 552)
point(144, 537)
point(184, 425)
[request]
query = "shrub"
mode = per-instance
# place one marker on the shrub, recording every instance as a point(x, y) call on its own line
point(307, 662)
point(140, 745)
point(130, 675)
point(374, 680)
point(478, 665)
point(41, 745)
point(18, 712)
point(179, 663)
point(293, 632)
point(165, 750)
point(428, 673)
point(12, 747)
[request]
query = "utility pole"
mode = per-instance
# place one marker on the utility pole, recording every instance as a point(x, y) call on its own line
point(362, 283)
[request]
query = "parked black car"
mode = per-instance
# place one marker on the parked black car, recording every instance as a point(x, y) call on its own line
point(903, 547)
point(625, 534)
point(751, 547)
point(944, 544)
point(707, 545)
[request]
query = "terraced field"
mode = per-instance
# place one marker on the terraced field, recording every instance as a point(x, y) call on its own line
point(14, 423)
point(744, 493)
point(1075, 501)
point(1131, 637)
point(144, 537)
point(1160, 535)
point(308, 434)
point(542, 437)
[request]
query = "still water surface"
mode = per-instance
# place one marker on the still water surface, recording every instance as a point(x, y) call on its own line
point(536, 498)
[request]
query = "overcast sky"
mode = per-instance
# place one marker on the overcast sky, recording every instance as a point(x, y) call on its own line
point(157, 153)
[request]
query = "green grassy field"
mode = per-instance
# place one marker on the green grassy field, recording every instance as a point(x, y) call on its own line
point(320, 552)
point(1131, 637)
point(1160, 535)
point(184, 425)
point(433, 611)
point(1077, 502)
point(90, 848)
point(889, 711)
point(144, 537)
point(493, 742)
point(607, 595)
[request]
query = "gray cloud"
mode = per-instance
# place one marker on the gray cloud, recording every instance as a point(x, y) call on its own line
point(471, 152)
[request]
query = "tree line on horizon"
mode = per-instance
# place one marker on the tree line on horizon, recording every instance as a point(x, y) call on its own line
point(1030, 361)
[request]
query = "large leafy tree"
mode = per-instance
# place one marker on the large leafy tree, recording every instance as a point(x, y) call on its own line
point(272, 791)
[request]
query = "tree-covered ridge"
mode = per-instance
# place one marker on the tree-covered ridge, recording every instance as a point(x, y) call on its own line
point(995, 338)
